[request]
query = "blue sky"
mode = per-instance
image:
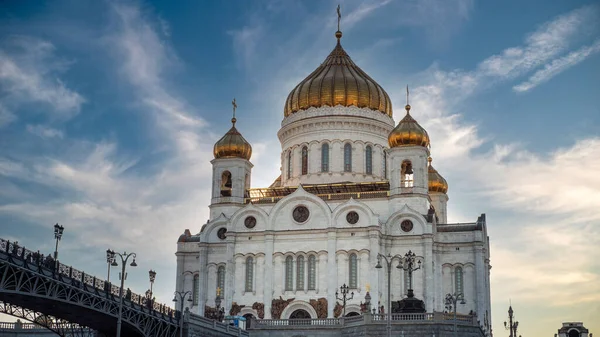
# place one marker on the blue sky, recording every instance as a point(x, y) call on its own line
point(109, 111)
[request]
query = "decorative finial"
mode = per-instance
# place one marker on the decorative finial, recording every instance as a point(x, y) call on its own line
point(233, 120)
point(429, 160)
point(338, 34)
point(407, 107)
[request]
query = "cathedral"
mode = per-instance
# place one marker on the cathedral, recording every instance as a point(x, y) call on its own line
point(356, 189)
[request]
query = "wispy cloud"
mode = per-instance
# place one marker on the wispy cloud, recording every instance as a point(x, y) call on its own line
point(44, 131)
point(28, 73)
point(557, 66)
point(6, 117)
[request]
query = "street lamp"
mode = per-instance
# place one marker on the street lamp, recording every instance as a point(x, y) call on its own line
point(450, 302)
point(389, 259)
point(344, 289)
point(124, 257)
point(182, 295)
point(58, 232)
point(220, 311)
point(110, 260)
point(511, 326)
point(152, 275)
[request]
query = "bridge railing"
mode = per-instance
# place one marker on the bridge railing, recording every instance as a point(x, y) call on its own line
point(81, 279)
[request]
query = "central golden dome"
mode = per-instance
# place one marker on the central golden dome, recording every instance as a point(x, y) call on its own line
point(338, 81)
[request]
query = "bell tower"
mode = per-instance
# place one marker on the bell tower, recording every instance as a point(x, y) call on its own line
point(231, 169)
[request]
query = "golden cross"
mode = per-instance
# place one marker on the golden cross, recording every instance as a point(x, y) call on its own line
point(234, 107)
point(407, 95)
point(339, 16)
point(219, 289)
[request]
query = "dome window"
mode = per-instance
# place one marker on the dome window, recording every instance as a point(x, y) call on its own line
point(304, 160)
point(348, 157)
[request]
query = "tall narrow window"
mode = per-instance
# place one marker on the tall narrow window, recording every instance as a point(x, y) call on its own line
point(195, 289)
point(458, 280)
point(221, 281)
point(289, 273)
point(407, 282)
point(353, 271)
point(249, 273)
point(325, 157)
point(369, 159)
point(304, 160)
point(289, 164)
point(312, 272)
point(300, 273)
point(348, 157)
point(384, 164)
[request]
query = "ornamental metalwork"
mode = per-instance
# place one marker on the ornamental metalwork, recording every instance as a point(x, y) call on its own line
point(300, 214)
point(352, 217)
point(33, 285)
point(250, 222)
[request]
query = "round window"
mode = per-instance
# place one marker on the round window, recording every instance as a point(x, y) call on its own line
point(221, 233)
point(250, 222)
point(300, 214)
point(352, 217)
point(406, 225)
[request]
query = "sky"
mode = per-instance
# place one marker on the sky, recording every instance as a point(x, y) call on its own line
point(109, 111)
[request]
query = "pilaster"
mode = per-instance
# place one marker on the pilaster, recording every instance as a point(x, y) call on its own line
point(202, 279)
point(428, 287)
point(331, 271)
point(268, 275)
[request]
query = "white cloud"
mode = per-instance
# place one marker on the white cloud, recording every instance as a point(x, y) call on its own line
point(28, 74)
point(44, 131)
point(6, 117)
point(557, 66)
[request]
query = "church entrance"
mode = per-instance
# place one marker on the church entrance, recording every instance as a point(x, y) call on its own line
point(300, 317)
point(352, 314)
point(248, 318)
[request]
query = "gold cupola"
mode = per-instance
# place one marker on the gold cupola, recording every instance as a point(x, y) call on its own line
point(408, 132)
point(437, 183)
point(232, 144)
point(338, 81)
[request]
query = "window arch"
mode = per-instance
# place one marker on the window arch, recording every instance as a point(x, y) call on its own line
point(226, 184)
point(300, 273)
point(249, 273)
point(369, 159)
point(289, 164)
point(384, 164)
point(312, 272)
point(353, 271)
point(406, 177)
point(458, 280)
point(221, 280)
point(289, 273)
point(348, 157)
point(195, 289)
point(325, 157)
point(304, 160)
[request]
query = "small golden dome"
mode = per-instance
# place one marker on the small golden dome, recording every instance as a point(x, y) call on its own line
point(408, 133)
point(232, 145)
point(437, 183)
point(338, 81)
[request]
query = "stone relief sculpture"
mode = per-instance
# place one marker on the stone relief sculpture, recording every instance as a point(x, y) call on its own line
point(337, 310)
point(235, 309)
point(277, 306)
point(320, 306)
point(260, 309)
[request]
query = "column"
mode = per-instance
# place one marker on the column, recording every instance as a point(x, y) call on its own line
point(480, 279)
point(229, 273)
point(428, 286)
point(374, 273)
point(202, 279)
point(332, 271)
point(268, 275)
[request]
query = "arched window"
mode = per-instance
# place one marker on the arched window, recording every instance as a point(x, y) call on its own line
point(195, 289)
point(300, 273)
point(249, 273)
point(348, 157)
point(221, 280)
point(312, 272)
point(353, 271)
point(369, 159)
point(226, 184)
point(406, 178)
point(304, 160)
point(325, 157)
point(289, 164)
point(406, 282)
point(289, 273)
point(384, 164)
point(458, 280)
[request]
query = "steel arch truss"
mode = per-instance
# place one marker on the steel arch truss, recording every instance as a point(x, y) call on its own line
point(38, 289)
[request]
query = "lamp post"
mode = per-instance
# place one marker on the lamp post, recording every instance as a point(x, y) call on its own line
point(450, 302)
point(110, 260)
point(344, 289)
point(182, 295)
point(152, 275)
point(512, 326)
point(389, 259)
point(220, 311)
point(58, 232)
point(124, 257)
